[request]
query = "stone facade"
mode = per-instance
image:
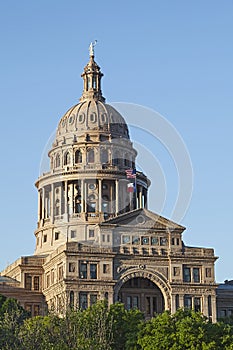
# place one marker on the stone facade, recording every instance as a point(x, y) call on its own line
point(95, 237)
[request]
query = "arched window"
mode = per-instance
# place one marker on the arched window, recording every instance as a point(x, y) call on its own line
point(57, 161)
point(67, 158)
point(104, 156)
point(78, 157)
point(90, 156)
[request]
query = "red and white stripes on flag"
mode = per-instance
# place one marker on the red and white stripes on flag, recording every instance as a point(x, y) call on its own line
point(131, 173)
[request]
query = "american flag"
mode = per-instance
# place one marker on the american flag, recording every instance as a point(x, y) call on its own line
point(131, 173)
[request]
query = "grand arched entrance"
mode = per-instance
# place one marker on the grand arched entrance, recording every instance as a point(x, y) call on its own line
point(142, 293)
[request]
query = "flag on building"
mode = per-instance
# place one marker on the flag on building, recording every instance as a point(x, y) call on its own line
point(131, 187)
point(131, 173)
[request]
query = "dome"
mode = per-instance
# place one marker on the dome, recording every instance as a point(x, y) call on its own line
point(93, 115)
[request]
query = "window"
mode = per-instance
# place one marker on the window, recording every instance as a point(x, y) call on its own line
point(71, 299)
point(67, 158)
point(176, 271)
point(209, 306)
point(36, 282)
point(186, 274)
point(91, 233)
point(36, 310)
point(135, 240)
point(173, 241)
point(163, 241)
point(196, 275)
point(154, 241)
point(47, 280)
point(78, 157)
point(28, 281)
point(188, 301)
point(145, 240)
point(83, 301)
point(90, 156)
point(56, 236)
point(104, 156)
point(93, 271)
point(177, 241)
point(60, 272)
point(197, 304)
point(93, 299)
point(72, 267)
point(52, 276)
point(126, 239)
point(83, 270)
point(177, 301)
point(106, 268)
point(45, 239)
point(57, 161)
point(72, 234)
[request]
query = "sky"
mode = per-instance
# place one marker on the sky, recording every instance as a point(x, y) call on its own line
point(171, 57)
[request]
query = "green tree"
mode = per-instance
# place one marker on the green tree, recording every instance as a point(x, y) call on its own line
point(185, 330)
point(12, 316)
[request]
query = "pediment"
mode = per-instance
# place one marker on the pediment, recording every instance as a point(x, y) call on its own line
point(143, 219)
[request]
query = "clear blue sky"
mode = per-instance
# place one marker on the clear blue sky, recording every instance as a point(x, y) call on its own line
point(175, 57)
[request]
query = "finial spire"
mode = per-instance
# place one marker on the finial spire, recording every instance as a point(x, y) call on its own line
point(91, 48)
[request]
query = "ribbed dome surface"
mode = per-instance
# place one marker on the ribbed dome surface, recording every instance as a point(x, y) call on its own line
point(93, 115)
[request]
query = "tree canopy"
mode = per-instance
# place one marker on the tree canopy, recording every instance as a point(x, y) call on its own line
point(103, 327)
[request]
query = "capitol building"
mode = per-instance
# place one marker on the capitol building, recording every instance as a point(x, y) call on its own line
point(95, 236)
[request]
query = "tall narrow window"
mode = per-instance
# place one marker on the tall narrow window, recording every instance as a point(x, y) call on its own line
point(188, 301)
point(71, 299)
point(93, 299)
point(57, 161)
point(104, 156)
point(197, 304)
point(209, 306)
point(90, 156)
point(186, 274)
point(67, 158)
point(83, 301)
point(93, 271)
point(83, 270)
point(28, 281)
point(177, 301)
point(78, 157)
point(36, 282)
point(196, 274)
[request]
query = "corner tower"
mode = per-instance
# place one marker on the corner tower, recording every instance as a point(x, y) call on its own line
point(87, 183)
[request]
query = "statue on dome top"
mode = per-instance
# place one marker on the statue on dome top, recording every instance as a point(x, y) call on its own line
point(91, 48)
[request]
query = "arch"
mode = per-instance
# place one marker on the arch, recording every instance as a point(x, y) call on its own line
point(154, 276)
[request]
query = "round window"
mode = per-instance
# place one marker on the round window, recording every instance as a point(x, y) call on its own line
point(93, 117)
point(92, 186)
point(140, 219)
point(71, 119)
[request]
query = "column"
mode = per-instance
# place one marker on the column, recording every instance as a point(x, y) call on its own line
point(173, 303)
point(82, 195)
point(43, 203)
point(100, 195)
point(140, 196)
point(117, 195)
point(145, 198)
point(52, 204)
point(65, 200)
point(39, 206)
